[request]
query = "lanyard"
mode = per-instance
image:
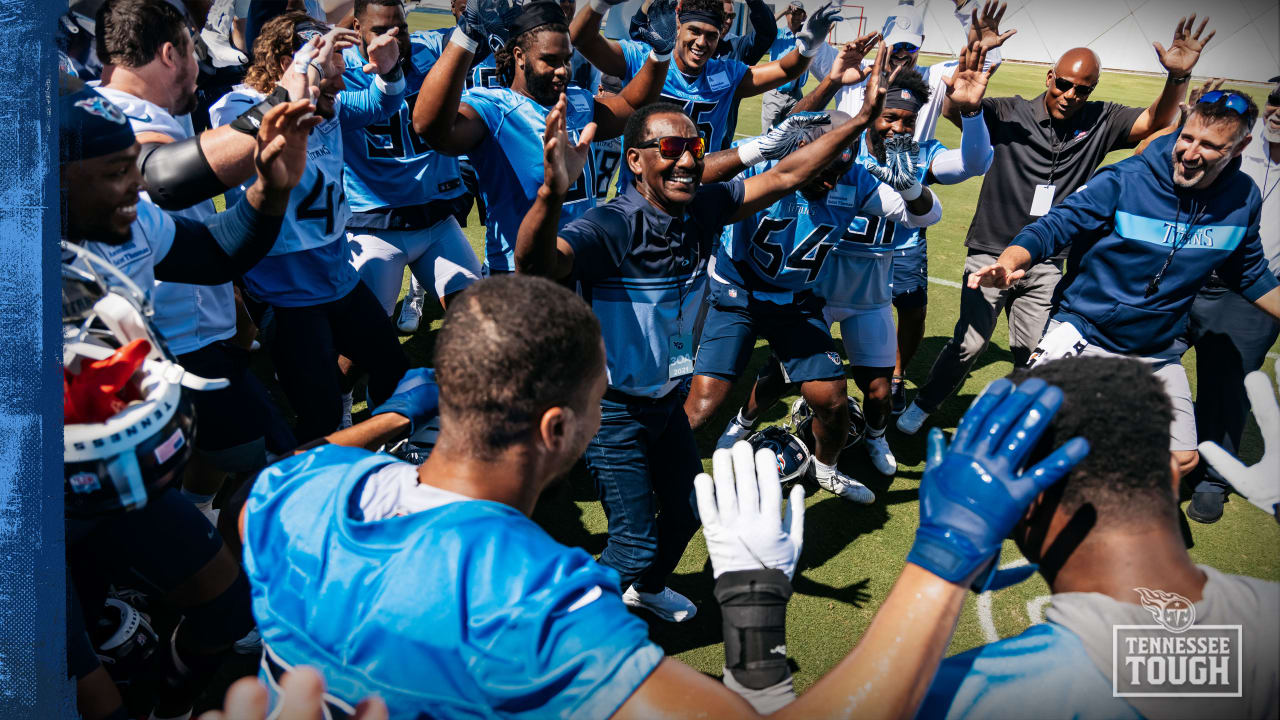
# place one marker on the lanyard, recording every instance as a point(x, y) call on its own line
point(1180, 240)
point(682, 289)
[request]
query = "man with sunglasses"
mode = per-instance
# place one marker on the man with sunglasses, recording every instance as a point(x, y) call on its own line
point(640, 260)
point(1045, 148)
point(1145, 235)
point(1230, 335)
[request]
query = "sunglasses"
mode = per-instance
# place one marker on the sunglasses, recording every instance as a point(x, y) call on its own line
point(1063, 86)
point(905, 47)
point(1235, 102)
point(672, 147)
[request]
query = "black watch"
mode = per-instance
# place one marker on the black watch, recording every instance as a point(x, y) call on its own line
point(973, 114)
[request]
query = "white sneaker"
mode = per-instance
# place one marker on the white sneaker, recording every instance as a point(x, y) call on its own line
point(911, 419)
point(668, 604)
point(410, 312)
point(346, 412)
point(843, 486)
point(881, 456)
point(733, 432)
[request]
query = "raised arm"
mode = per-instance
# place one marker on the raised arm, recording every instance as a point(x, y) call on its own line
point(809, 40)
point(538, 249)
point(611, 112)
point(383, 97)
point(779, 141)
point(965, 89)
point(764, 30)
point(846, 69)
point(984, 29)
point(449, 125)
point(1178, 60)
point(584, 33)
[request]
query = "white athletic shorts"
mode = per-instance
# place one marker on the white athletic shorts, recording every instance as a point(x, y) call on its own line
point(1063, 340)
point(869, 337)
point(438, 256)
point(858, 296)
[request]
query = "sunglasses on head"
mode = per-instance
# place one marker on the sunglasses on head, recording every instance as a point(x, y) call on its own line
point(672, 147)
point(1064, 85)
point(1235, 102)
point(905, 47)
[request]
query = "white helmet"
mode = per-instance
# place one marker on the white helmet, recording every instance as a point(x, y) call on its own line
point(114, 463)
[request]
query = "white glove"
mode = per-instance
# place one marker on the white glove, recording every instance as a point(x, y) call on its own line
point(899, 169)
point(781, 139)
point(1259, 484)
point(813, 35)
point(742, 513)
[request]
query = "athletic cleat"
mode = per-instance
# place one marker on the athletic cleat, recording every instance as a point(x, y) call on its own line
point(250, 644)
point(880, 454)
point(911, 419)
point(898, 396)
point(845, 487)
point(668, 604)
point(410, 313)
point(733, 432)
point(346, 411)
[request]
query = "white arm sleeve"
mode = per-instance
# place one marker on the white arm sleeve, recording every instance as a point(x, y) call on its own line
point(971, 160)
point(888, 204)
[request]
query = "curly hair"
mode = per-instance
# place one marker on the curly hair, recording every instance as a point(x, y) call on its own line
point(912, 81)
point(276, 41)
point(505, 62)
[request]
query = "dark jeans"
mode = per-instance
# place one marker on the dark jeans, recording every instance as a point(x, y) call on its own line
point(305, 352)
point(643, 462)
point(1231, 337)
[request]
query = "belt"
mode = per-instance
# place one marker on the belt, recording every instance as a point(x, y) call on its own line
point(622, 398)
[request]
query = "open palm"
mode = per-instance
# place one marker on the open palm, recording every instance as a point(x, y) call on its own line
point(563, 160)
point(968, 84)
point(281, 155)
point(1186, 47)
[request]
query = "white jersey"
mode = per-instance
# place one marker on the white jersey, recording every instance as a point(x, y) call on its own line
point(217, 32)
point(189, 316)
point(1256, 162)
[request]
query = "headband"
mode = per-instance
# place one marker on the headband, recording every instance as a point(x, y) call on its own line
point(91, 127)
point(713, 19)
point(901, 98)
point(536, 14)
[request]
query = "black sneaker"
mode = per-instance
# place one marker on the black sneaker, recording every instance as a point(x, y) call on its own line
point(897, 396)
point(1206, 507)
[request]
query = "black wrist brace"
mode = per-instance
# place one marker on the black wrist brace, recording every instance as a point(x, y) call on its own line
point(753, 604)
point(250, 120)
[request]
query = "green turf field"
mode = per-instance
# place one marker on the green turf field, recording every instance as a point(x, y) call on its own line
point(852, 554)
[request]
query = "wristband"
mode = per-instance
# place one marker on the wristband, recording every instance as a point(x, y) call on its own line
point(1179, 80)
point(394, 76)
point(970, 115)
point(912, 192)
point(463, 40)
point(599, 6)
point(250, 120)
point(753, 607)
point(749, 153)
point(654, 56)
point(811, 51)
point(389, 87)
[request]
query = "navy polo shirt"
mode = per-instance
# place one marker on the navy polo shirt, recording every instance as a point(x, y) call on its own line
point(643, 272)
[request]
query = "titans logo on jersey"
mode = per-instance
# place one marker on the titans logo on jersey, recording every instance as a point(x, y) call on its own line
point(388, 164)
point(785, 246)
point(902, 236)
point(508, 164)
point(707, 98)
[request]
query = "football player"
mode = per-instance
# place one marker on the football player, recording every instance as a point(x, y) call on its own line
point(705, 85)
point(320, 306)
point(404, 196)
point(500, 129)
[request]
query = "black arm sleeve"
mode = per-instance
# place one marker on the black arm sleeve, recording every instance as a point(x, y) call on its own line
point(178, 175)
point(221, 248)
point(765, 31)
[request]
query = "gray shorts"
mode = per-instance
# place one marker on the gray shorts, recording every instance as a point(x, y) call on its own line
point(1060, 340)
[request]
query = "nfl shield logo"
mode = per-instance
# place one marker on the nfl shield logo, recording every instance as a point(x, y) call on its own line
point(906, 95)
point(733, 293)
point(84, 482)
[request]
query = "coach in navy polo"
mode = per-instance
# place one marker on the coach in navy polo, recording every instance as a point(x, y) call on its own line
point(640, 261)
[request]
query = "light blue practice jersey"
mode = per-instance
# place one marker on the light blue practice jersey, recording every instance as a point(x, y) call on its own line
point(905, 237)
point(461, 609)
point(388, 164)
point(508, 164)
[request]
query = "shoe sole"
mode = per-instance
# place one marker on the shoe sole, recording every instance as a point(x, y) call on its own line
point(1202, 519)
point(661, 615)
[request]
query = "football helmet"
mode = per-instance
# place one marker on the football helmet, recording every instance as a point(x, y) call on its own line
point(415, 448)
point(123, 639)
point(801, 421)
point(112, 463)
point(794, 459)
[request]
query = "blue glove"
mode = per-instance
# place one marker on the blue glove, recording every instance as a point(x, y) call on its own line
point(659, 32)
point(488, 22)
point(972, 495)
point(417, 397)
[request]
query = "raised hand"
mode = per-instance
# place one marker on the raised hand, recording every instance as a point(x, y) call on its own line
point(877, 86)
point(985, 26)
point(973, 494)
point(295, 79)
point(900, 163)
point(968, 83)
point(741, 510)
point(281, 155)
point(814, 33)
point(786, 135)
point(562, 161)
point(329, 57)
point(846, 69)
point(1260, 483)
point(384, 53)
point(659, 32)
point(1185, 49)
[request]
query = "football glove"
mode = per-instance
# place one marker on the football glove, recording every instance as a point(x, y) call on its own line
point(488, 22)
point(782, 138)
point(973, 494)
point(659, 32)
point(741, 512)
point(417, 397)
point(899, 168)
point(1260, 483)
point(813, 35)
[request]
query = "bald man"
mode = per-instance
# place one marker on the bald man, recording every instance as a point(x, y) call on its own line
point(1045, 148)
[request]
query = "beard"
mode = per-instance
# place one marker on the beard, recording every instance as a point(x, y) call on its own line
point(876, 142)
point(540, 87)
point(1195, 176)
